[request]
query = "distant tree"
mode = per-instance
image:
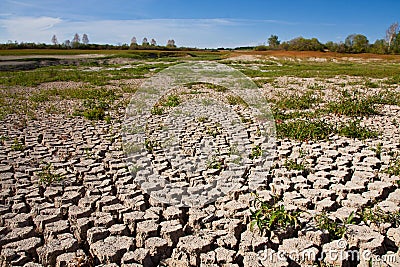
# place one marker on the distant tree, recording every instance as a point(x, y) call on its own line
point(153, 42)
point(171, 43)
point(76, 39)
point(145, 42)
point(85, 39)
point(133, 41)
point(54, 40)
point(357, 43)
point(379, 47)
point(303, 44)
point(391, 33)
point(395, 48)
point(67, 43)
point(273, 41)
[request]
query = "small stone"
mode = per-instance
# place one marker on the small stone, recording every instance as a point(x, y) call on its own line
point(145, 230)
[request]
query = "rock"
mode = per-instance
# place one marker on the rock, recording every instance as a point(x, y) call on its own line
point(224, 256)
point(80, 229)
point(314, 236)
point(252, 241)
point(171, 231)
point(140, 256)
point(111, 249)
point(132, 218)
point(335, 253)
point(145, 230)
point(158, 248)
point(17, 234)
point(19, 220)
point(28, 245)
point(97, 233)
point(55, 247)
point(173, 213)
point(394, 235)
point(118, 229)
point(193, 246)
point(355, 201)
point(365, 239)
point(77, 258)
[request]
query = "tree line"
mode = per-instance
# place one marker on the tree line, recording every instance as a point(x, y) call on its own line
point(354, 43)
point(83, 43)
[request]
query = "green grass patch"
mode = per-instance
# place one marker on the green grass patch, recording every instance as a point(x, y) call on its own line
point(47, 175)
point(305, 130)
point(354, 130)
point(336, 230)
point(268, 217)
point(296, 101)
point(17, 145)
point(353, 104)
point(234, 100)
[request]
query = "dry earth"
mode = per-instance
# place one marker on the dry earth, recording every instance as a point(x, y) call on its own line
point(96, 215)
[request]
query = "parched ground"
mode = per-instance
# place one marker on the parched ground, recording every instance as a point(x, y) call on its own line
point(68, 199)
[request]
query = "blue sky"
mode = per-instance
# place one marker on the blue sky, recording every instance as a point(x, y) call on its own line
point(218, 23)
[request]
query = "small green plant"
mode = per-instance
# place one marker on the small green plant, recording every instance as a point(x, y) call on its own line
point(4, 138)
point(297, 101)
point(354, 130)
point(377, 216)
point(17, 145)
point(214, 130)
point(47, 175)
point(305, 130)
point(172, 101)
point(268, 217)
point(370, 84)
point(378, 150)
point(216, 87)
point(216, 163)
point(394, 167)
point(201, 119)
point(236, 100)
point(292, 164)
point(256, 152)
point(150, 145)
point(336, 230)
point(156, 110)
point(353, 104)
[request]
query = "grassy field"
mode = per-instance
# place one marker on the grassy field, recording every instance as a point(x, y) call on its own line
point(97, 84)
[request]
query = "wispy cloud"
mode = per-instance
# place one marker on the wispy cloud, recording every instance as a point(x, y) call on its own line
point(216, 32)
point(28, 29)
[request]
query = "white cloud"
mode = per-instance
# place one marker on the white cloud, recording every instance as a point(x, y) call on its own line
point(28, 29)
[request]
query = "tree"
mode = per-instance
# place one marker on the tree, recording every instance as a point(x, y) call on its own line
point(67, 43)
point(145, 42)
point(76, 39)
point(357, 43)
point(153, 42)
point(171, 43)
point(85, 39)
point(379, 47)
point(133, 41)
point(273, 41)
point(395, 48)
point(391, 33)
point(54, 40)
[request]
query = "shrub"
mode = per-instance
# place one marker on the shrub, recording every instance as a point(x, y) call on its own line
point(47, 176)
point(353, 104)
point(304, 130)
point(354, 130)
point(271, 216)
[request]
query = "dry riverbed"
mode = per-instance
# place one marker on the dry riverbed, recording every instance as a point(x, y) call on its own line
point(68, 199)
